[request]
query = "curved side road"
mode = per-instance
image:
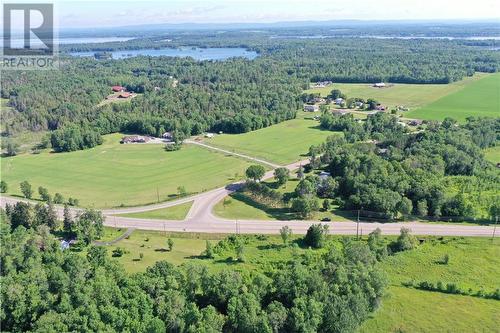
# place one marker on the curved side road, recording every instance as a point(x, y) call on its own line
point(201, 219)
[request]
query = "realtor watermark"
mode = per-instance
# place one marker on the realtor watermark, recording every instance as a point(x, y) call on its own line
point(28, 37)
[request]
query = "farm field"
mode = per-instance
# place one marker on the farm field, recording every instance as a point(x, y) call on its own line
point(282, 143)
point(112, 175)
point(409, 95)
point(177, 212)
point(478, 99)
point(474, 263)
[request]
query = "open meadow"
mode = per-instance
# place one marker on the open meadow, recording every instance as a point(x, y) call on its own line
point(409, 95)
point(473, 263)
point(239, 205)
point(492, 154)
point(477, 99)
point(113, 174)
point(282, 143)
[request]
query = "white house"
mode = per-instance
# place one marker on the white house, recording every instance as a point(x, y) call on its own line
point(379, 85)
point(209, 135)
point(338, 101)
point(311, 108)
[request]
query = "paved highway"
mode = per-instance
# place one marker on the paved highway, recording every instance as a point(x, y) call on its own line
point(201, 219)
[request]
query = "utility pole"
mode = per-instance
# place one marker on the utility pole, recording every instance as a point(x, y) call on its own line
point(494, 228)
point(357, 227)
point(157, 194)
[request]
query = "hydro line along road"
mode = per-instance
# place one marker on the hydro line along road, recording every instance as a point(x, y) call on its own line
point(201, 219)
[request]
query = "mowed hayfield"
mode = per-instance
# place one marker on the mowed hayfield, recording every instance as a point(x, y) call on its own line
point(480, 98)
point(282, 143)
point(409, 95)
point(112, 174)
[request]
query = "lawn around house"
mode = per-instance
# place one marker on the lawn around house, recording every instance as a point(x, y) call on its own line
point(177, 212)
point(282, 143)
point(409, 95)
point(114, 174)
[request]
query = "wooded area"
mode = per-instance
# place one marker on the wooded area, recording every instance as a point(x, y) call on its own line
point(233, 96)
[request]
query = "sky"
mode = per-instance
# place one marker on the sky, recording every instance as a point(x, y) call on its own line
point(109, 13)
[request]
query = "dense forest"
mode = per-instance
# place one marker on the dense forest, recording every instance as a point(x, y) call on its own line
point(46, 288)
point(380, 166)
point(234, 96)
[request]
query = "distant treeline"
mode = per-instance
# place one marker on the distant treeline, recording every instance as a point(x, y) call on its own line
point(232, 96)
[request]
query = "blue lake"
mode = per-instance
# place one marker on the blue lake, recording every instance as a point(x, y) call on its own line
point(213, 53)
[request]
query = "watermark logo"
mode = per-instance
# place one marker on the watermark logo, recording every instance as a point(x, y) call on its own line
point(28, 37)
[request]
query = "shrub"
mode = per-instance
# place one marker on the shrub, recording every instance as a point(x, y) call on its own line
point(405, 241)
point(58, 198)
point(316, 235)
point(173, 147)
point(118, 252)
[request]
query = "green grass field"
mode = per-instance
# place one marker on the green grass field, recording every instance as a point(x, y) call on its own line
point(409, 310)
point(112, 174)
point(153, 245)
point(177, 212)
point(479, 98)
point(474, 263)
point(240, 206)
point(282, 143)
point(409, 95)
point(492, 154)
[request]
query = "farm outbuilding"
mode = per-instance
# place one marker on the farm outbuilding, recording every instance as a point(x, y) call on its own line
point(135, 139)
point(311, 108)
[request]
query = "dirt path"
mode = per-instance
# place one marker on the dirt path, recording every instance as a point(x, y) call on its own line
point(225, 151)
point(116, 240)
